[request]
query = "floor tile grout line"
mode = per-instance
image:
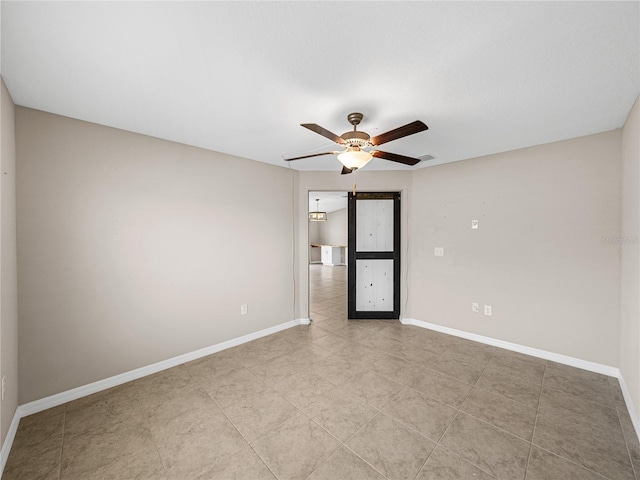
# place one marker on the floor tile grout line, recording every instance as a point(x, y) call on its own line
point(356, 454)
point(64, 426)
point(571, 461)
point(323, 462)
point(598, 434)
point(425, 462)
point(340, 443)
point(498, 394)
point(542, 386)
point(482, 420)
point(535, 423)
point(320, 426)
point(582, 395)
point(633, 468)
point(465, 459)
point(413, 428)
point(595, 404)
point(585, 467)
point(237, 430)
point(146, 420)
point(439, 443)
point(376, 410)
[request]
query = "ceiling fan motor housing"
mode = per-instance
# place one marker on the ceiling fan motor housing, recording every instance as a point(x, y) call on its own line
point(357, 139)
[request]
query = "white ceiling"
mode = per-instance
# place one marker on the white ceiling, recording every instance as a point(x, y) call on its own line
point(329, 201)
point(239, 77)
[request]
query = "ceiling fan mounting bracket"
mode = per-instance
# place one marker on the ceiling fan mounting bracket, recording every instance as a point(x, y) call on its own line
point(355, 118)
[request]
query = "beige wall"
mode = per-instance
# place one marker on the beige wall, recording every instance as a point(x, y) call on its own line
point(367, 180)
point(336, 229)
point(630, 275)
point(315, 238)
point(134, 250)
point(8, 268)
point(538, 257)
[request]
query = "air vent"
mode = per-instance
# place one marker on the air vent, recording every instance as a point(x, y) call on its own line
point(426, 157)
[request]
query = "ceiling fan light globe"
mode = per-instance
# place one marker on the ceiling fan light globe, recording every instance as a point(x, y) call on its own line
point(355, 158)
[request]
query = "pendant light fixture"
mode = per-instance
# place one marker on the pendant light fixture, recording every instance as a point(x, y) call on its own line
point(317, 216)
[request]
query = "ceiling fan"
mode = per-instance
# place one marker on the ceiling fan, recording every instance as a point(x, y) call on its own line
point(356, 144)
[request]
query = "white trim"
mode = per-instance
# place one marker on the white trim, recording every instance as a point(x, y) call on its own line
point(630, 406)
point(64, 397)
point(8, 441)
point(534, 352)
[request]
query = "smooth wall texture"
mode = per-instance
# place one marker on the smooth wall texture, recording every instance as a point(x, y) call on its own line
point(540, 257)
point(335, 231)
point(315, 254)
point(8, 262)
point(629, 238)
point(134, 250)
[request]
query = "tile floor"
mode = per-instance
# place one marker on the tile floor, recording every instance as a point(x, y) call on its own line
point(341, 400)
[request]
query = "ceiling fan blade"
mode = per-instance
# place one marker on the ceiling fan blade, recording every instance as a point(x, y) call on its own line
point(346, 171)
point(404, 131)
point(309, 156)
point(324, 132)
point(394, 157)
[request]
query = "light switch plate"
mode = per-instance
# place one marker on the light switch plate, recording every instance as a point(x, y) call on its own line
point(487, 310)
point(474, 224)
point(475, 307)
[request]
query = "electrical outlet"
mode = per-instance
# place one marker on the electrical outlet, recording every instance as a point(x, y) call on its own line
point(487, 310)
point(244, 309)
point(475, 308)
point(4, 386)
point(438, 252)
point(474, 224)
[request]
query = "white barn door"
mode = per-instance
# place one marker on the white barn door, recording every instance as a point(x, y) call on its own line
point(374, 255)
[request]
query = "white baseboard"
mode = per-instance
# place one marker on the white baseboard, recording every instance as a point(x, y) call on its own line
point(8, 441)
point(83, 391)
point(74, 394)
point(64, 397)
point(630, 405)
point(534, 352)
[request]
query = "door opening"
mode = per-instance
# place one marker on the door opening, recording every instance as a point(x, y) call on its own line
point(374, 255)
point(327, 243)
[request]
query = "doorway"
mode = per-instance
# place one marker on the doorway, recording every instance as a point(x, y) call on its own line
point(374, 255)
point(327, 243)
